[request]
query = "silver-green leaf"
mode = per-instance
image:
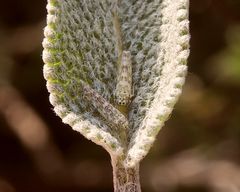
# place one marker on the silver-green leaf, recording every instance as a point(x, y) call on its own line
point(82, 49)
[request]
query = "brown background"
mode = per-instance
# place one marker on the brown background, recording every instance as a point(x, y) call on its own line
point(198, 150)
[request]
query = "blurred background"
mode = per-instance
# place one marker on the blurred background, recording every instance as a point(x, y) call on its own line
point(198, 150)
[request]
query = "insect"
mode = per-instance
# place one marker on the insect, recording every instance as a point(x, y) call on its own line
point(123, 92)
point(108, 111)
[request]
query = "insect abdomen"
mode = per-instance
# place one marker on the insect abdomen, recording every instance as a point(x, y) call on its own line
point(123, 92)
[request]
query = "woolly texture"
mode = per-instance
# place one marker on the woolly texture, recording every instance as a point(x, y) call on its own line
point(81, 53)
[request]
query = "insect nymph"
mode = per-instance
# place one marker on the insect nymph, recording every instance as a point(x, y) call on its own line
point(107, 111)
point(123, 91)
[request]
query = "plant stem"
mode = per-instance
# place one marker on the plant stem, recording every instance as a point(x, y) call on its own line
point(125, 179)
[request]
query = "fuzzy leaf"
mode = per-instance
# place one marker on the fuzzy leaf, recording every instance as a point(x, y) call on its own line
point(81, 61)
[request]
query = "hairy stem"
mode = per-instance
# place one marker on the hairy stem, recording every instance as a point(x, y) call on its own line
point(125, 179)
